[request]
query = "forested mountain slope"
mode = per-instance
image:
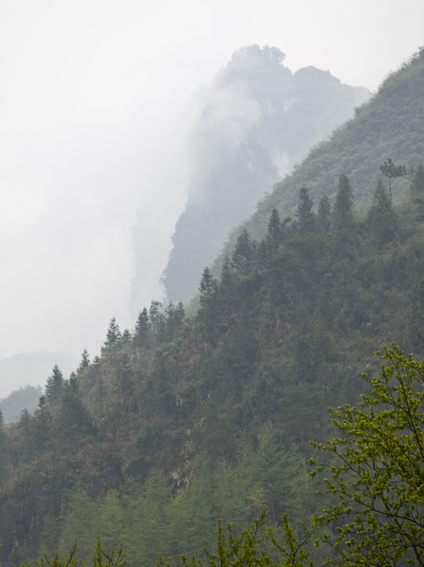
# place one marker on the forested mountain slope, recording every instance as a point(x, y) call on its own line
point(390, 124)
point(190, 419)
point(252, 124)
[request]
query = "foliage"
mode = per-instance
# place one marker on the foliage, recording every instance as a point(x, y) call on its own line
point(379, 476)
point(101, 558)
point(389, 124)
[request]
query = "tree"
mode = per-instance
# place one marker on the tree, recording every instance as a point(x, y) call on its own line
point(73, 418)
point(417, 182)
point(85, 361)
point(392, 171)
point(304, 212)
point(324, 216)
point(54, 386)
point(343, 207)
point(379, 476)
point(244, 253)
point(41, 425)
point(381, 216)
point(113, 336)
point(142, 328)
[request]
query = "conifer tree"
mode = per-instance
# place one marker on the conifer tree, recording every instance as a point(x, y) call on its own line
point(244, 253)
point(304, 213)
point(73, 417)
point(126, 336)
point(85, 361)
point(156, 316)
point(275, 233)
point(142, 328)
point(113, 336)
point(324, 216)
point(343, 207)
point(41, 426)
point(54, 386)
point(381, 216)
point(208, 285)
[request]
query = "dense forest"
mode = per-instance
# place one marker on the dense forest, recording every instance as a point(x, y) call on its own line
point(188, 419)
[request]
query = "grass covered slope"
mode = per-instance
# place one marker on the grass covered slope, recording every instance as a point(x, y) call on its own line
point(187, 420)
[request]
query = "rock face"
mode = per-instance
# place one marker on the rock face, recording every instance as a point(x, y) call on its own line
point(253, 123)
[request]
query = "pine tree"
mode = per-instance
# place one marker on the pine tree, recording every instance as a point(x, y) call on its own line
point(54, 386)
point(73, 418)
point(156, 316)
point(381, 216)
point(85, 361)
point(275, 233)
point(142, 328)
point(126, 336)
point(324, 216)
point(113, 336)
point(304, 213)
point(244, 254)
point(343, 207)
point(208, 285)
point(41, 425)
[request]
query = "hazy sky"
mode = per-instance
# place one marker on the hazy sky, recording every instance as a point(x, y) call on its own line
point(93, 102)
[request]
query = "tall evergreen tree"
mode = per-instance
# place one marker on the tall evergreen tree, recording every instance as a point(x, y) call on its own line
point(142, 328)
point(381, 216)
point(324, 216)
point(244, 253)
point(343, 207)
point(208, 285)
point(156, 316)
point(113, 336)
point(54, 386)
point(85, 360)
point(304, 213)
point(73, 417)
point(41, 425)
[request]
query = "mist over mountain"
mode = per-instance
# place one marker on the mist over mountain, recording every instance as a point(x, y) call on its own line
point(390, 124)
point(31, 368)
point(251, 126)
point(193, 418)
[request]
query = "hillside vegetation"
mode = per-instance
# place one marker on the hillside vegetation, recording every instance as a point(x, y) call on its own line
point(190, 419)
point(250, 126)
point(390, 124)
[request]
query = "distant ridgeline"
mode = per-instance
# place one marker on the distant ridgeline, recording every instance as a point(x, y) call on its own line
point(253, 123)
point(391, 124)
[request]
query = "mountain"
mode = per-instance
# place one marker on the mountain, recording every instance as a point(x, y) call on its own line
point(390, 124)
point(251, 125)
point(19, 400)
point(31, 368)
point(191, 419)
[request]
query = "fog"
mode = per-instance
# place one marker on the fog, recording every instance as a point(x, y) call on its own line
point(95, 107)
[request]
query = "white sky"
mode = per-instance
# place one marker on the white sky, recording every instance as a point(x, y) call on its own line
point(93, 96)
